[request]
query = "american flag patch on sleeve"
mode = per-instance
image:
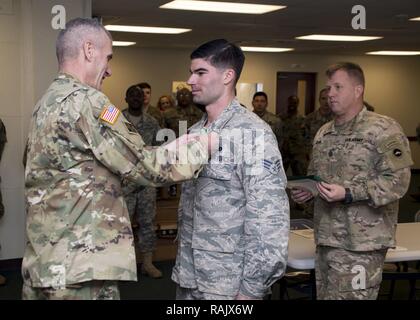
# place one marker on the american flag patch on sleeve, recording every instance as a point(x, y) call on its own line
point(110, 114)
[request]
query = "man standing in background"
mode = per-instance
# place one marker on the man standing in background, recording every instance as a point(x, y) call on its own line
point(293, 151)
point(260, 104)
point(3, 140)
point(317, 119)
point(141, 203)
point(147, 106)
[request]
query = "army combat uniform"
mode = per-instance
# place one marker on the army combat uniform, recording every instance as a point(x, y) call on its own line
point(275, 124)
point(370, 156)
point(173, 116)
point(81, 151)
point(233, 221)
point(141, 203)
point(293, 152)
point(312, 123)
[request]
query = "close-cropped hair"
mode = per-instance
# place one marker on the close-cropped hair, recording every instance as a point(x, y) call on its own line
point(221, 54)
point(260, 94)
point(353, 70)
point(71, 39)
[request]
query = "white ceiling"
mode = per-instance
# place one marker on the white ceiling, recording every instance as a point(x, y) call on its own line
point(387, 18)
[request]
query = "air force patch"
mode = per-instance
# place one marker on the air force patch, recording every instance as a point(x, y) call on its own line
point(110, 114)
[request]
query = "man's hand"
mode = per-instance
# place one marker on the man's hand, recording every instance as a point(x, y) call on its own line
point(331, 192)
point(211, 141)
point(300, 195)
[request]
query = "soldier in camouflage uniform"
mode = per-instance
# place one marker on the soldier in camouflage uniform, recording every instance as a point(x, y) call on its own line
point(293, 151)
point(141, 203)
point(233, 221)
point(184, 111)
point(364, 159)
point(260, 103)
point(317, 119)
point(81, 152)
point(147, 107)
point(3, 140)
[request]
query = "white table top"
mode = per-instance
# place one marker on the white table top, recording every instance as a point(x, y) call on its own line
point(302, 250)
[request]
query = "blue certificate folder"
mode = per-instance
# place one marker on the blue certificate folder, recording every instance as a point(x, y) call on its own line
point(304, 182)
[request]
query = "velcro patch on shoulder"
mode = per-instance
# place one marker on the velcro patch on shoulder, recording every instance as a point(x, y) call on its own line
point(396, 152)
point(110, 114)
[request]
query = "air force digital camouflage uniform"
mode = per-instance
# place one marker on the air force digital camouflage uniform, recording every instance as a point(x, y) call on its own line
point(3, 140)
point(141, 203)
point(77, 226)
point(370, 155)
point(233, 221)
point(275, 124)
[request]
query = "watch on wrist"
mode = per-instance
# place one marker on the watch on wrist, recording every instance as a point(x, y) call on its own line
point(348, 198)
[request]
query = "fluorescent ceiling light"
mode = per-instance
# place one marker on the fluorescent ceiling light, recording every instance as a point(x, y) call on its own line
point(331, 37)
point(217, 6)
point(266, 49)
point(415, 19)
point(140, 29)
point(394, 53)
point(122, 43)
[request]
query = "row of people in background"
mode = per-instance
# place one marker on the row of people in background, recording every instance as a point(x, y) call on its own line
point(294, 132)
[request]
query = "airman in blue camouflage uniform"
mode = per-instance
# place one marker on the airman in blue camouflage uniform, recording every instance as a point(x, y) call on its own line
point(81, 152)
point(233, 220)
point(364, 159)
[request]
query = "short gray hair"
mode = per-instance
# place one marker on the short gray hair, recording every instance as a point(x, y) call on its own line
point(70, 40)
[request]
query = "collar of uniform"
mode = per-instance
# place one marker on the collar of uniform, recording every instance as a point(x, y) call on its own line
point(63, 75)
point(262, 113)
point(348, 127)
point(226, 115)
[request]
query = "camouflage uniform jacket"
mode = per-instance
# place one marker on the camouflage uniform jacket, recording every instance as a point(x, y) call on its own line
point(369, 155)
point(148, 128)
point(233, 221)
point(294, 135)
point(155, 113)
point(313, 122)
point(172, 116)
point(78, 227)
point(276, 125)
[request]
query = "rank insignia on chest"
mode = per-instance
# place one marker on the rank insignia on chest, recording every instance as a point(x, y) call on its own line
point(110, 114)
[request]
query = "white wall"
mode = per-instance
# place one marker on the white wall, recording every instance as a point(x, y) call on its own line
point(27, 64)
